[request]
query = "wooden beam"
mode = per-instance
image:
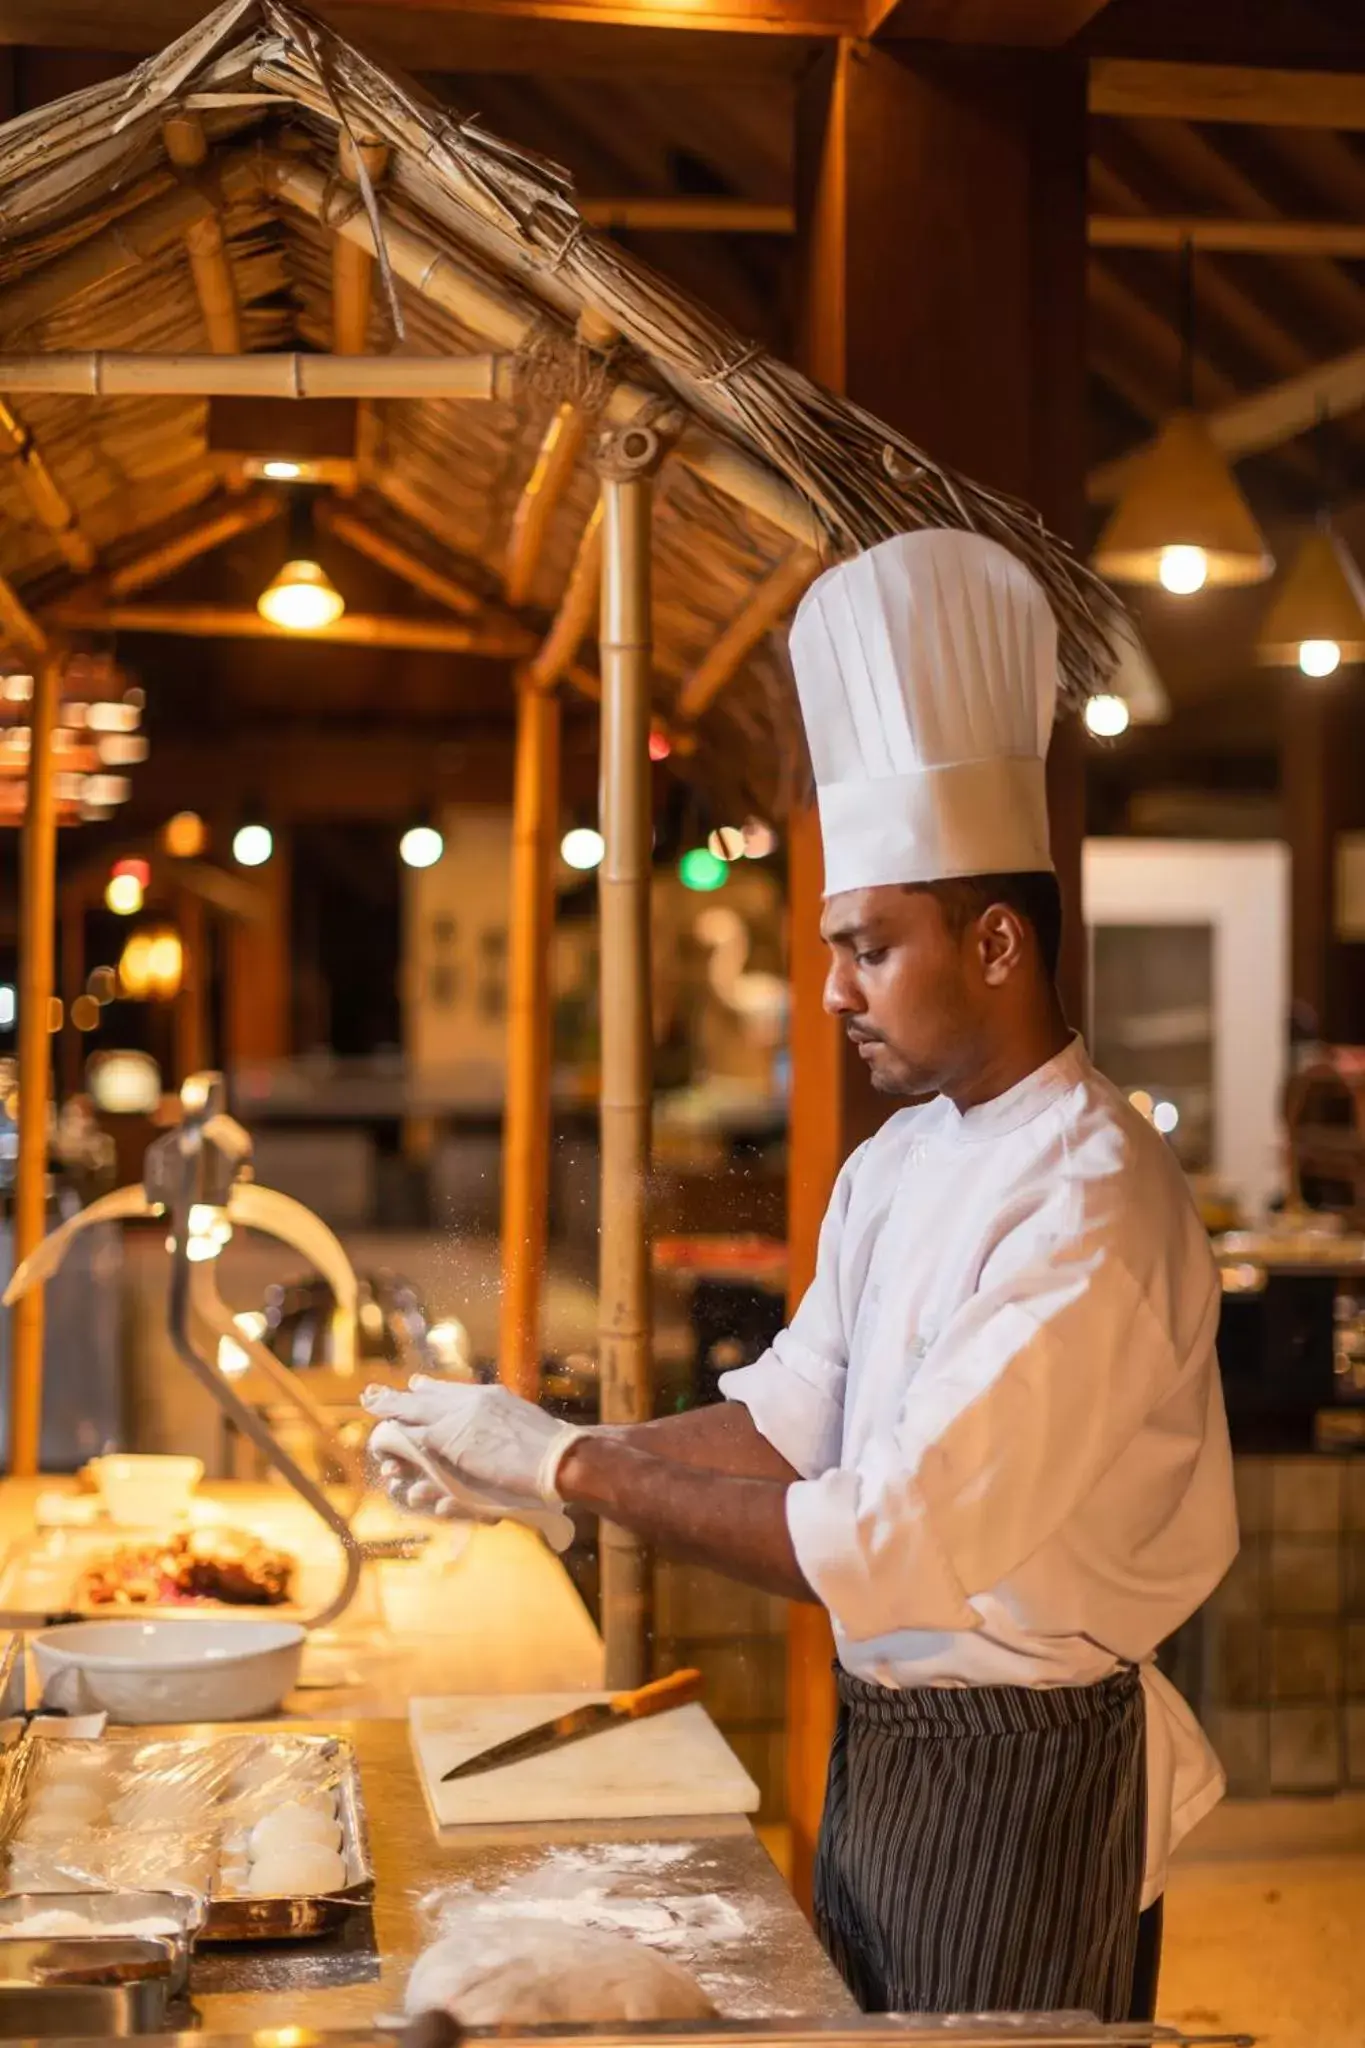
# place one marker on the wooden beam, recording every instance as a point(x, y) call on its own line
point(1139, 89)
point(154, 564)
point(50, 503)
point(530, 1039)
point(1341, 239)
point(97, 373)
point(135, 238)
point(577, 609)
point(258, 971)
point(399, 561)
point(690, 216)
point(1249, 426)
point(210, 265)
point(38, 917)
point(353, 266)
point(191, 1017)
point(508, 642)
point(18, 627)
point(1008, 24)
point(550, 478)
point(768, 602)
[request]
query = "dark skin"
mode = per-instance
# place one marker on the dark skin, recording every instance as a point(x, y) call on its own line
point(936, 1006)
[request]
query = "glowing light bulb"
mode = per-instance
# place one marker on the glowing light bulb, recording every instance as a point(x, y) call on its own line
point(759, 839)
point(1142, 1103)
point(1319, 657)
point(302, 599)
point(281, 472)
point(1183, 570)
point(1106, 716)
point(727, 842)
point(124, 895)
point(421, 846)
point(1165, 1116)
point(660, 746)
point(701, 869)
point(583, 848)
point(252, 845)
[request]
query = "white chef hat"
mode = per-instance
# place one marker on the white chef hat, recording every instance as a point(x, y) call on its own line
point(927, 673)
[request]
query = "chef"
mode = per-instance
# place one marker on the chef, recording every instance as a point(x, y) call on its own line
point(991, 1442)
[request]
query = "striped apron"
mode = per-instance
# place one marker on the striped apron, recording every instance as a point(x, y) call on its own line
point(981, 1848)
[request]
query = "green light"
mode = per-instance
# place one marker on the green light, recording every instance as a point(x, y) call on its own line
point(700, 869)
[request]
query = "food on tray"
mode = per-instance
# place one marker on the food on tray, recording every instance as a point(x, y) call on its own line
point(305, 1867)
point(192, 1566)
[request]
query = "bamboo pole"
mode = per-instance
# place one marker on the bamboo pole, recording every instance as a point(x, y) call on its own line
point(136, 237)
point(400, 561)
point(72, 981)
point(768, 602)
point(37, 920)
point(500, 642)
point(352, 265)
point(99, 373)
point(526, 1127)
point(1343, 240)
point(191, 1007)
point(50, 503)
point(545, 487)
point(153, 565)
point(627, 461)
point(205, 245)
point(577, 607)
point(18, 625)
point(431, 270)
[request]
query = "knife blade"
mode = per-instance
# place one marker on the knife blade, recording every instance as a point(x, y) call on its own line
point(657, 1698)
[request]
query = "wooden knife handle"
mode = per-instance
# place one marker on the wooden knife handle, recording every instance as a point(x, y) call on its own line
point(674, 1691)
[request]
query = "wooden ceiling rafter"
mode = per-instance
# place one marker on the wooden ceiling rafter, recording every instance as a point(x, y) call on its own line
point(353, 266)
point(551, 476)
point(161, 560)
point(351, 528)
point(767, 604)
point(215, 287)
point(52, 508)
point(1339, 240)
point(500, 642)
point(1252, 96)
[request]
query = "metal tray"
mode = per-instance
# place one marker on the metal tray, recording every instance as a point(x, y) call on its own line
point(229, 1917)
point(84, 1987)
point(107, 1914)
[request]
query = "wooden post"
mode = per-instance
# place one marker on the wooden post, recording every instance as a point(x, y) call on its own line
point(1322, 734)
point(627, 461)
point(37, 921)
point(526, 1129)
point(256, 993)
point(72, 979)
point(191, 1004)
point(941, 209)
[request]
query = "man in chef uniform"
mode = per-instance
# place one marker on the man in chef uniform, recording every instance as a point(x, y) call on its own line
point(991, 1442)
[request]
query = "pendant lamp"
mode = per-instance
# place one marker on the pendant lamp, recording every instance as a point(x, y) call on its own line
point(1317, 618)
point(301, 597)
point(1181, 521)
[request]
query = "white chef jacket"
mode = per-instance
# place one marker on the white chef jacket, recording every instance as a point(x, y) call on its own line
point(1002, 1396)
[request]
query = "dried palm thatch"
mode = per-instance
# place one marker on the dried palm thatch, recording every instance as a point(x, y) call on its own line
point(91, 258)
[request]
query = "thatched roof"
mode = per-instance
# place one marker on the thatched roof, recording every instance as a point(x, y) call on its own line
point(84, 183)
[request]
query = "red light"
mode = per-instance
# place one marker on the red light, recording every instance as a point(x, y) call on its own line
point(139, 869)
point(660, 746)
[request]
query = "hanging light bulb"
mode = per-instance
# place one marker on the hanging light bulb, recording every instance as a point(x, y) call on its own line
point(421, 846)
point(1106, 716)
point(582, 848)
point(1316, 620)
point(302, 599)
point(1183, 570)
point(252, 845)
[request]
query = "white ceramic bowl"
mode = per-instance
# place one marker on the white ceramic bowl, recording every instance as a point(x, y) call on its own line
point(146, 1492)
point(191, 1670)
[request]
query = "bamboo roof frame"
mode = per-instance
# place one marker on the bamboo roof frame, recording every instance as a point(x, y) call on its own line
point(496, 289)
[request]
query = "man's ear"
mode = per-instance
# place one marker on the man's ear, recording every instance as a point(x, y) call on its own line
point(1002, 942)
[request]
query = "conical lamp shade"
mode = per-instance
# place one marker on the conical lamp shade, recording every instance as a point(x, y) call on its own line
point(1182, 495)
point(1320, 600)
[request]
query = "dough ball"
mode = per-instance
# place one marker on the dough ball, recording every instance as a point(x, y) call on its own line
point(291, 1825)
point(530, 1972)
point(300, 1871)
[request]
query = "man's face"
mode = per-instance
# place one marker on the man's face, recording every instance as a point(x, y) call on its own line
point(905, 985)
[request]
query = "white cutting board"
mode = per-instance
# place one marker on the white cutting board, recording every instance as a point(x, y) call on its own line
point(674, 1763)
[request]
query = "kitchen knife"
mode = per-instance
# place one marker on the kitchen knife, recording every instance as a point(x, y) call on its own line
point(664, 1693)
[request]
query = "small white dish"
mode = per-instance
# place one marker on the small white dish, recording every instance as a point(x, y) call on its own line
point(146, 1492)
point(191, 1670)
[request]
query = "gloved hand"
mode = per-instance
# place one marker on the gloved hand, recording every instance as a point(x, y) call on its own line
point(506, 1450)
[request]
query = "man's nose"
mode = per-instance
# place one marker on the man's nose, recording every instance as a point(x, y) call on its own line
point(841, 996)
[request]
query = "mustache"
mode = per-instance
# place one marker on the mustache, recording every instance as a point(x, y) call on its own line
point(857, 1037)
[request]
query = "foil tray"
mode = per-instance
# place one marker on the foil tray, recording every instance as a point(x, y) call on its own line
point(230, 1916)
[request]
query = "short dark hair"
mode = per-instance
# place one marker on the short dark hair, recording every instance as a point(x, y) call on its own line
point(1035, 897)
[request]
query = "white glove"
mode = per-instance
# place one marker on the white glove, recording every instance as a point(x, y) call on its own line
point(505, 1450)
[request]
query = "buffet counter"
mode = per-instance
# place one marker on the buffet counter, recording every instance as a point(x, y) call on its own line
point(705, 1891)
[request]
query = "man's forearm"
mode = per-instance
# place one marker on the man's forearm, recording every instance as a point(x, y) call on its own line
point(736, 1525)
point(721, 1437)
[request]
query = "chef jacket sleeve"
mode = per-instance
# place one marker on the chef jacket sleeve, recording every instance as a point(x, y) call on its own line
point(1018, 1407)
point(795, 1391)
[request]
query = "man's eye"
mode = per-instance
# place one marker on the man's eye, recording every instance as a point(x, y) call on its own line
point(873, 957)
